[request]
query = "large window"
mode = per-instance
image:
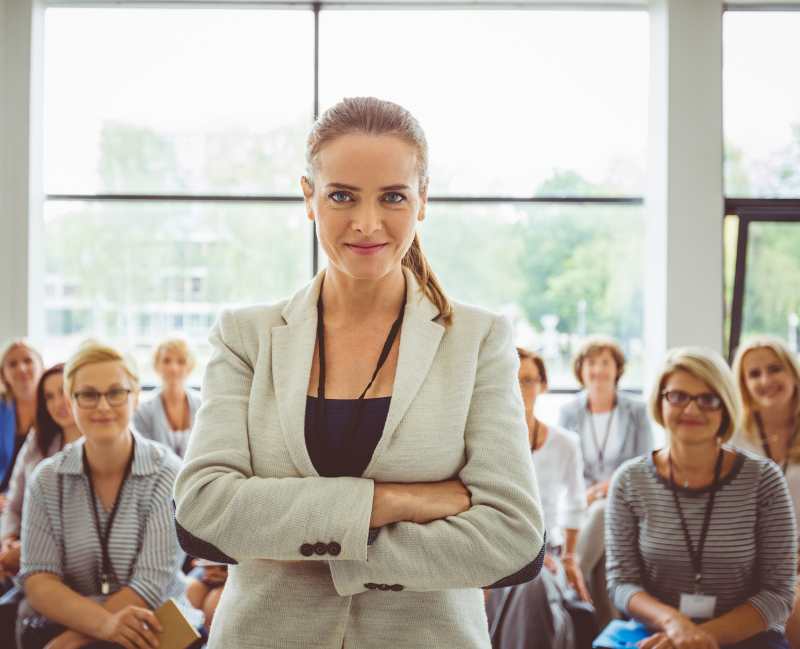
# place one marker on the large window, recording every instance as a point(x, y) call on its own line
point(762, 174)
point(172, 170)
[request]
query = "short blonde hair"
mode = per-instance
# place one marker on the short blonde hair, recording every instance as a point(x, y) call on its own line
point(91, 352)
point(709, 367)
point(597, 345)
point(785, 356)
point(5, 390)
point(178, 346)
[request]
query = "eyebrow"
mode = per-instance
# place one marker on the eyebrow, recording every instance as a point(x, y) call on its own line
point(352, 188)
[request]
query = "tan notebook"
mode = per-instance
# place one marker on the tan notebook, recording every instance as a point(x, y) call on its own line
point(177, 633)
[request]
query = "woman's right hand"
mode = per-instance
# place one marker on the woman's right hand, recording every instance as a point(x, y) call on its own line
point(681, 633)
point(132, 627)
point(418, 502)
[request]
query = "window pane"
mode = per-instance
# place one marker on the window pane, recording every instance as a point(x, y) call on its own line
point(772, 297)
point(180, 101)
point(132, 273)
point(554, 269)
point(514, 103)
point(762, 104)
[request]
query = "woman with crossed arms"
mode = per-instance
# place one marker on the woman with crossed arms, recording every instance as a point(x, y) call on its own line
point(361, 455)
point(700, 538)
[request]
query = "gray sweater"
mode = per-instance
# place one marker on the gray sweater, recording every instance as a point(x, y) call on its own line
point(750, 552)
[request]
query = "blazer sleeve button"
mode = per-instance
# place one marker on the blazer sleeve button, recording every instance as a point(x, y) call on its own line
point(370, 586)
point(321, 548)
point(306, 549)
point(383, 587)
point(396, 587)
point(334, 548)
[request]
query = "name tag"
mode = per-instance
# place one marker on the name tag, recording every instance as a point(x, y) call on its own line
point(698, 607)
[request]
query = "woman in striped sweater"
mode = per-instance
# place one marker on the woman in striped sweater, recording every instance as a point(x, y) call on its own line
point(99, 549)
point(700, 538)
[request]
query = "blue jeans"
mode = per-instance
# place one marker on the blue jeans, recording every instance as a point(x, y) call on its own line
point(767, 640)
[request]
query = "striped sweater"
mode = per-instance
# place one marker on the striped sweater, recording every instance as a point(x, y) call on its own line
point(750, 553)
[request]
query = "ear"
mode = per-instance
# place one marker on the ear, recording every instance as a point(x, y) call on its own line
point(308, 195)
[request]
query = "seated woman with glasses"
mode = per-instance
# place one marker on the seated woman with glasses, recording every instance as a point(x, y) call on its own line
point(99, 549)
point(167, 417)
point(768, 378)
point(700, 538)
point(612, 427)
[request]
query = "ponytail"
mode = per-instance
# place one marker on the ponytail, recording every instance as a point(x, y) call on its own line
point(417, 263)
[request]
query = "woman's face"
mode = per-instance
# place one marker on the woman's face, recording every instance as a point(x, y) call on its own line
point(599, 370)
point(530, 382)
point(172, 367)
point(56, 401)
point(688, 422)
point(21, 372)
point(366, 201)
point(769, 381)
point(102, 422)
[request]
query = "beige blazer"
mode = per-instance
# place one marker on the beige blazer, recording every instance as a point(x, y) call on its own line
point(305, 576)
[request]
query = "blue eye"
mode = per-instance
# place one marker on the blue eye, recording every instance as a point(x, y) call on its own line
point(340, 197)
point(393, 197)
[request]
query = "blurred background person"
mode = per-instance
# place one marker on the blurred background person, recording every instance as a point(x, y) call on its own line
point(612, 427)
point(20, 370)
point(701, 537)
point(768, 379)
point(167, 416)
point(99, 548)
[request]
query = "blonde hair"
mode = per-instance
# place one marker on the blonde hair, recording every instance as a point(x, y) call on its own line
point(785, 356)
point(371, 116)
point(597, 345)
point(178, 346)
point(91, 352)
point(709, 367)
point(5, 390)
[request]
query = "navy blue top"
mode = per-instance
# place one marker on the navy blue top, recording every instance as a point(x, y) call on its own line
point(331, 452)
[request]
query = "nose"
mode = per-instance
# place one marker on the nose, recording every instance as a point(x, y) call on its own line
point(367, 219)
point(102, 403)
point(693, 408)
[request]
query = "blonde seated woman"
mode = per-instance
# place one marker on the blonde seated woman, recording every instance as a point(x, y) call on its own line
point(768, 378)
point(700, 537)
point(99, 549)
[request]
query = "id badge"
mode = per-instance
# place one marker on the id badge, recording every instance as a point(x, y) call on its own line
point(698, 607)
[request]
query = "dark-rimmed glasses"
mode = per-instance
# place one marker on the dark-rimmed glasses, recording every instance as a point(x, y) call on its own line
point(707, 401)
point(89, 399)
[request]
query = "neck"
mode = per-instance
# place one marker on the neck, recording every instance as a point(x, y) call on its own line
point(601, 399)
point(352, 300)
point(70, 434)
point(541, 432)
point(109, 459)
point(694, 461)
point(778, 417)
point(173, 392)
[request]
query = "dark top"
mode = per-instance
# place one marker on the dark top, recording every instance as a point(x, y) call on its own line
point(19, 440)
point(332, 453)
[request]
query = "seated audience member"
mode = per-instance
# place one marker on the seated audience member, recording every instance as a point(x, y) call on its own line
point(55, 428)
point(768, 378)
point(205, 588)
point(700, 538)
point(20, 369)
point(612, 427)
point(167, 416)
point(99, 549)
point(533, 615)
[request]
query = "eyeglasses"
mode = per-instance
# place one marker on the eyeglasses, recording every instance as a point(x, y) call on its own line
point(705, 401)
point(89, 399)
point(529, 380)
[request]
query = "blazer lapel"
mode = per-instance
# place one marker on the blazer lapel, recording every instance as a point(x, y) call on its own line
point(419, 340)
point(292, 354)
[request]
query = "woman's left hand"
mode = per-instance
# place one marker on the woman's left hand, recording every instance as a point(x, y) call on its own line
point(575, 577)
point(657, 641)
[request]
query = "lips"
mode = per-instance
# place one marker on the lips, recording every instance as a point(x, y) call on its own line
point(366, 248)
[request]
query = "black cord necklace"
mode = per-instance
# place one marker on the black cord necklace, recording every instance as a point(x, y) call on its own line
point(765, 441)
